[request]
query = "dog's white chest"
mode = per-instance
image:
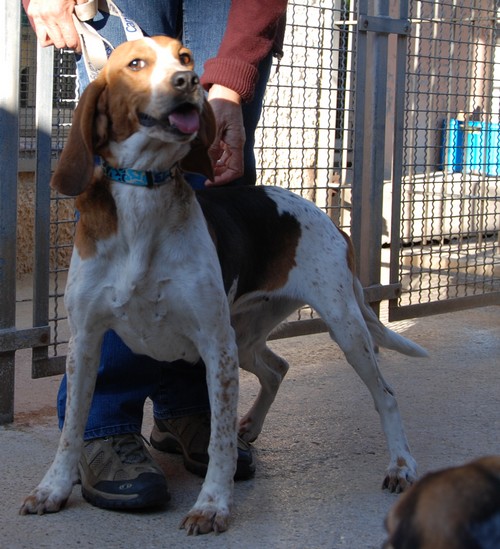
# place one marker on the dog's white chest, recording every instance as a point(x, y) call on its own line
point(152, 317)
point(145, 298)
point(155, 287)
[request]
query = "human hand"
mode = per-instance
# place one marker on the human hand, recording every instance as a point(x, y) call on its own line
point(227, 149)
point(53, 23)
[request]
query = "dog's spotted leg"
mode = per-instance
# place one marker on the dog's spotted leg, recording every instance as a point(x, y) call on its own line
point(270, 370)
point(402, 469)
point(212, 509)
point(348, 328)
point(54, 489)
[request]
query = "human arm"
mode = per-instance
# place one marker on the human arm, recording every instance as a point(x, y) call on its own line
point(250, 35)
point(231, 77)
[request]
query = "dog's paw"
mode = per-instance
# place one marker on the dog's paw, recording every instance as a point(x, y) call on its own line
point(43, 500)
point(205, 521)
point(400, 476)
point(248, 430)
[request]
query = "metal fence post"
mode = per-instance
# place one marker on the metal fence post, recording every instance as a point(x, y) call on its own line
point(10, 22)
point(370, 113)
point(41, 269)
point(370, 147)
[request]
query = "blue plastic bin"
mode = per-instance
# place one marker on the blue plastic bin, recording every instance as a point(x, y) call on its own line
point(452, 152)
point(473, 147)
point(492, 166)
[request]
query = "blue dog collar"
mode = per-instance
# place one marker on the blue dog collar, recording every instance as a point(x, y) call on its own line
point(138, 178)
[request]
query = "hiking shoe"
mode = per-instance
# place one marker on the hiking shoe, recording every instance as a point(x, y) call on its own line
point(117, 472)
point(189, 436)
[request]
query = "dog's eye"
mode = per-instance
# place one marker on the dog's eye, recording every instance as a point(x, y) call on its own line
point(184, 58)
point(137, 64)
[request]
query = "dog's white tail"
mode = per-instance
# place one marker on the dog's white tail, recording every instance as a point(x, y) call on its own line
point(382, 335)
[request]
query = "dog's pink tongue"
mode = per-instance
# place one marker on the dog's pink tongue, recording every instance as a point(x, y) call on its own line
point(186, 121)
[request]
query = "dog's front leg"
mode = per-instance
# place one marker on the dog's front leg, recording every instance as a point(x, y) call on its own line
point(81, 370)
point(212, 509)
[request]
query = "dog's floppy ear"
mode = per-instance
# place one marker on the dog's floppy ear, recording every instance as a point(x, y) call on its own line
point(75, 168)
point(198, 160)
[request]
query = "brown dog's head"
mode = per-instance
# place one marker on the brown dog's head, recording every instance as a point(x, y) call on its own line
point(457, 508)
point(145, 110)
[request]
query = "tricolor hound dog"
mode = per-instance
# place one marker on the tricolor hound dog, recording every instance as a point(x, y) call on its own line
point(456, 508)
point(184, 275)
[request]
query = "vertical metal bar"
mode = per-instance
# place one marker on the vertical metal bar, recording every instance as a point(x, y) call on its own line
point(411, 114)
point(44, 94)
point(350, 82)
point(10, 25)
point(368, 186)
point(359, 143)
point(487, 100)
point(397, 166)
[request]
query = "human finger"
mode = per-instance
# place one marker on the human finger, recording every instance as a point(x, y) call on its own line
point(228, 167)
point(52, 21)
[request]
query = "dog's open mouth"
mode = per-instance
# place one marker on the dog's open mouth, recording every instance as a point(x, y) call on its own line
point(185, 119)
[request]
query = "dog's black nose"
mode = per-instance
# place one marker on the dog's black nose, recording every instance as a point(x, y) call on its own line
point(185, 80)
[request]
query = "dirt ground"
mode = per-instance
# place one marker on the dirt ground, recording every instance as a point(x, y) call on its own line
point(320, 459)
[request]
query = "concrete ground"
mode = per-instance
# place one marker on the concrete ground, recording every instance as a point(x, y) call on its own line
point(320, 459)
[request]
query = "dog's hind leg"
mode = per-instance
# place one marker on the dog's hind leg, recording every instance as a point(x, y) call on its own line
point(348, 328)
point(252, 328)
point(270, 369)
point(81, 369)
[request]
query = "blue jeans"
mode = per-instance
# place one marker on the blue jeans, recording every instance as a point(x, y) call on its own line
point(125, 380)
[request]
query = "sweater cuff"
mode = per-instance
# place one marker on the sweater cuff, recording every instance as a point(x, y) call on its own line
point(236, 75)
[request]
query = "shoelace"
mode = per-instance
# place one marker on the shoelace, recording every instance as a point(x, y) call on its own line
point(130, 448)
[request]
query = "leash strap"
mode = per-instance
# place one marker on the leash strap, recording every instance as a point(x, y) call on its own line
point(95, 52)
point(95, 48)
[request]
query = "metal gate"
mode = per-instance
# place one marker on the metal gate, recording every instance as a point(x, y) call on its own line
point(386, 118)
point(446, 207)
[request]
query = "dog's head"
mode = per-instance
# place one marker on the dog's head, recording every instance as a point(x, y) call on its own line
point(456, 508)
point(146, 110)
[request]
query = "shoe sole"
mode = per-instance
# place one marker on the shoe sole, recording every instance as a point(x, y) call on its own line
point(155, 497)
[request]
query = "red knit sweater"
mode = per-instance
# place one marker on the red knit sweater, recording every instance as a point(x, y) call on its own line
point(250, 35)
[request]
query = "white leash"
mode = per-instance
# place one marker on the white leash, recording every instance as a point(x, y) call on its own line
point(95, 48)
